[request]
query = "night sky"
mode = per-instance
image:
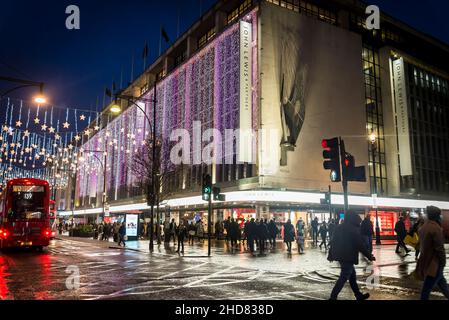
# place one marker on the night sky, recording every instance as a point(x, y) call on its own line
point(76, 65)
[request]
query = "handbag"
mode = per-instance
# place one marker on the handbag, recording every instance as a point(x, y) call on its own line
point(412, 241)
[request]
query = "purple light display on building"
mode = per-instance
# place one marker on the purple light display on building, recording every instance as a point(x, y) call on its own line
point(205, 88)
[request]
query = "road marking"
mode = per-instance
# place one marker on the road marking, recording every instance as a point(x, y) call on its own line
point(192, 284)
point(187, 269)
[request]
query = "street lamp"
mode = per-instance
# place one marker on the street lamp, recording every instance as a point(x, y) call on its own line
point(39, 99)
point(373, 140)
point(116, 107)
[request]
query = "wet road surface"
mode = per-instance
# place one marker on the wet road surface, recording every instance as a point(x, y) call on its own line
point(109, 272)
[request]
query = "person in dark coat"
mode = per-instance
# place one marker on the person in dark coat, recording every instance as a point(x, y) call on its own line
point(432, 260)
point(272, 233)
point(217, 230)
point(262, 235)
point(314, 225)
point(344, 248)
point(366, 229)
point(323, 233)
point(233, 232)
point(401, 233)
point(122, 233)
point(289, 235)
point(245, 233)
point(331, 229)
point(227, 226)
point(251, 233)
point(173, 228)
point(106, 232)
point(182, 234)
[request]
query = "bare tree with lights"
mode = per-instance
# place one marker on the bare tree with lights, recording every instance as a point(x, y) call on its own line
point(165, 178)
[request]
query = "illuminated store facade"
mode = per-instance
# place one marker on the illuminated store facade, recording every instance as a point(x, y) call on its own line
point(302, 72)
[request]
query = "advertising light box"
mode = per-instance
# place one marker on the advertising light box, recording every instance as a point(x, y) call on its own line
point(132, 221)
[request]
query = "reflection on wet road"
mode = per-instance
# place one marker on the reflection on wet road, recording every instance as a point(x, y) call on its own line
point(111, 273)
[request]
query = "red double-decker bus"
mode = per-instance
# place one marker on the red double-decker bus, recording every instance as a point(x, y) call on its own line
point(25, 214)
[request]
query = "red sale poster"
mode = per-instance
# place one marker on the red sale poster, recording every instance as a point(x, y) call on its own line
point(387, 221)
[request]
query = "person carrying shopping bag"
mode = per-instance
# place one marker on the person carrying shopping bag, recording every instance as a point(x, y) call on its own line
point(412, 239)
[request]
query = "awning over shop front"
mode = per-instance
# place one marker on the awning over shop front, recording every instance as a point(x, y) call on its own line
point(275, 197)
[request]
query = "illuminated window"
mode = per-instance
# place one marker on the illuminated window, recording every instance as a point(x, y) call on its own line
point(234, 14)
point(206, 37)
point(308, 9)
point(429, 120)
point(161, 75)
point(374, 117)
point(144, 89)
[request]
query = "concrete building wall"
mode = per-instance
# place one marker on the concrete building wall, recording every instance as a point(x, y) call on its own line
point(331, 89)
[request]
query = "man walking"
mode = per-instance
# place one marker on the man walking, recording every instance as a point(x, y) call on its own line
point(227, 227)
point(323, 233)
point(314, 225)
point(121, 235)
point(401, 233)
point(262, 235)
point(367, 232)
point(252, 229)
point(344, 248)
point(432, 260)
point(272, 232)
point(173, 228)
point(331, 229)
point(233, 233)
point(182, 233)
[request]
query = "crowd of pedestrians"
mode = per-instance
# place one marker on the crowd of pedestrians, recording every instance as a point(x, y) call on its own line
point(426, 236)
point(343, 240)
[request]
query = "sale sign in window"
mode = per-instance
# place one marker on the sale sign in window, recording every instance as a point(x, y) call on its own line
point(387, 221)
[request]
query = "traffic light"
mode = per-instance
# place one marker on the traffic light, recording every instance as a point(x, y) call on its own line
point(351, 172)
point(331, 155)
point(327, 199)
point(207, 187)
point(217, 195)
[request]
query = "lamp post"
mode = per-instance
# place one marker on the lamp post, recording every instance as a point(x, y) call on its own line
point(373, 140)
point(133, 100)
point(40, 99)
point(73, 194)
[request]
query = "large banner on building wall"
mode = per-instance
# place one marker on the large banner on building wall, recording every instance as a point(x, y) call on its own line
point(312, 88)
point(401, 101)
point(245, 142)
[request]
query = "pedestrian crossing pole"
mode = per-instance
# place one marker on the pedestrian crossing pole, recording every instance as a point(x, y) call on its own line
point(330, 202)
point(209, 226)
point(344, 179)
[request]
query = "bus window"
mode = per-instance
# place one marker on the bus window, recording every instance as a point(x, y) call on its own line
point(28, 204)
